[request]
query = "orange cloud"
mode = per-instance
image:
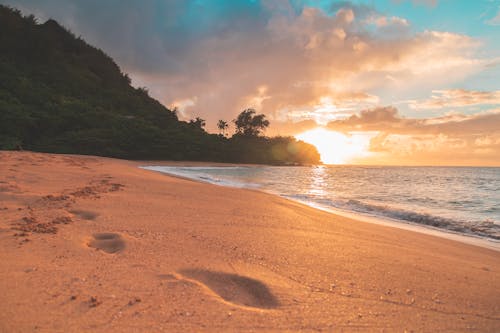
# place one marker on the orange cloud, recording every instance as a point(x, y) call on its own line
point(453, 139)
point(457, 98)
point(387, 119)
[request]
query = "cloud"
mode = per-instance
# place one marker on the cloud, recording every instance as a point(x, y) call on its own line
point(332, 106)
point(457, 98)
point(290, 60)
point(452, 139)
point(384, 21)
point(441, 149)
point(487, 141)
point(388, 119)
point(495, 20)
point(429, 3)
point(290, 128)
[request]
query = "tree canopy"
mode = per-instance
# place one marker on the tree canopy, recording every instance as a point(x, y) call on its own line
point(249, 123)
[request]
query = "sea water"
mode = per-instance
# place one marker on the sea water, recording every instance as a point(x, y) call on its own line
point(464, 200)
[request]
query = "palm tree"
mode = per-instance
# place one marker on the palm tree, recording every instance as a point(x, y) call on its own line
point(222, 126)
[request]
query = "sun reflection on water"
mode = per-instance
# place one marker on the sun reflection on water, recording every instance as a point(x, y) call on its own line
point(318, 181)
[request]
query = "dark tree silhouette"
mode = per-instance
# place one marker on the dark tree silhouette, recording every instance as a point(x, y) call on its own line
point(222, 126)
point(198, 123)
point(250, 124)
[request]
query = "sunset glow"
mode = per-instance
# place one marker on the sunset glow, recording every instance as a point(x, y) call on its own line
point(335, 147)
point(420, 74)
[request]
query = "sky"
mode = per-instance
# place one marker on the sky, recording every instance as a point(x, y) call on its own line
point(405, 82)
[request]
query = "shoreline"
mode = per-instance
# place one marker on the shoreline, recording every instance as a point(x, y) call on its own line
point(465, 238)
point(470, 239)
point(98, 244)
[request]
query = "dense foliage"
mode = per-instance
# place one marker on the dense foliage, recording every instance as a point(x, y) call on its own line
point(248, 123)
point(59, 94)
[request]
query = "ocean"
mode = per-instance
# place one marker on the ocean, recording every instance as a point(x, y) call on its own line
point(463, 200)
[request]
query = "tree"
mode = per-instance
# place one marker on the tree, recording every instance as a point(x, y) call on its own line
point(197, 122)
point(222, 126)
point(250, 124)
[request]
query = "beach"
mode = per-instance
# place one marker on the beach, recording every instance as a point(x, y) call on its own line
point(98, 244)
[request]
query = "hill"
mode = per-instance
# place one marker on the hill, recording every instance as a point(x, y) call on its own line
point(59, 94)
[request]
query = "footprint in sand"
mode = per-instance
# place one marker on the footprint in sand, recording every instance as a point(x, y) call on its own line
point(107, 242)
point(85, 214)
point(234, 288)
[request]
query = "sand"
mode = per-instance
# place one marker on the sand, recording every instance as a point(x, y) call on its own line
point(97, 244)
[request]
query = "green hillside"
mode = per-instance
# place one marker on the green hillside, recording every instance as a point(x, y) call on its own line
point(59, 94)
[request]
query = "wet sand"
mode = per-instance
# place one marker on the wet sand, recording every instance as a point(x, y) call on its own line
point(97, 244)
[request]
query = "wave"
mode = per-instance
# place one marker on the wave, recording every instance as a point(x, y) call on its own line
point(484, 228)
point(196, 174)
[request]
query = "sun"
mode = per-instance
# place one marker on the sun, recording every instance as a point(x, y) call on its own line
point(335, 147)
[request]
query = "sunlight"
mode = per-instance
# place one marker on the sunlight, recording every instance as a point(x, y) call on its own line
point(335, 147)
